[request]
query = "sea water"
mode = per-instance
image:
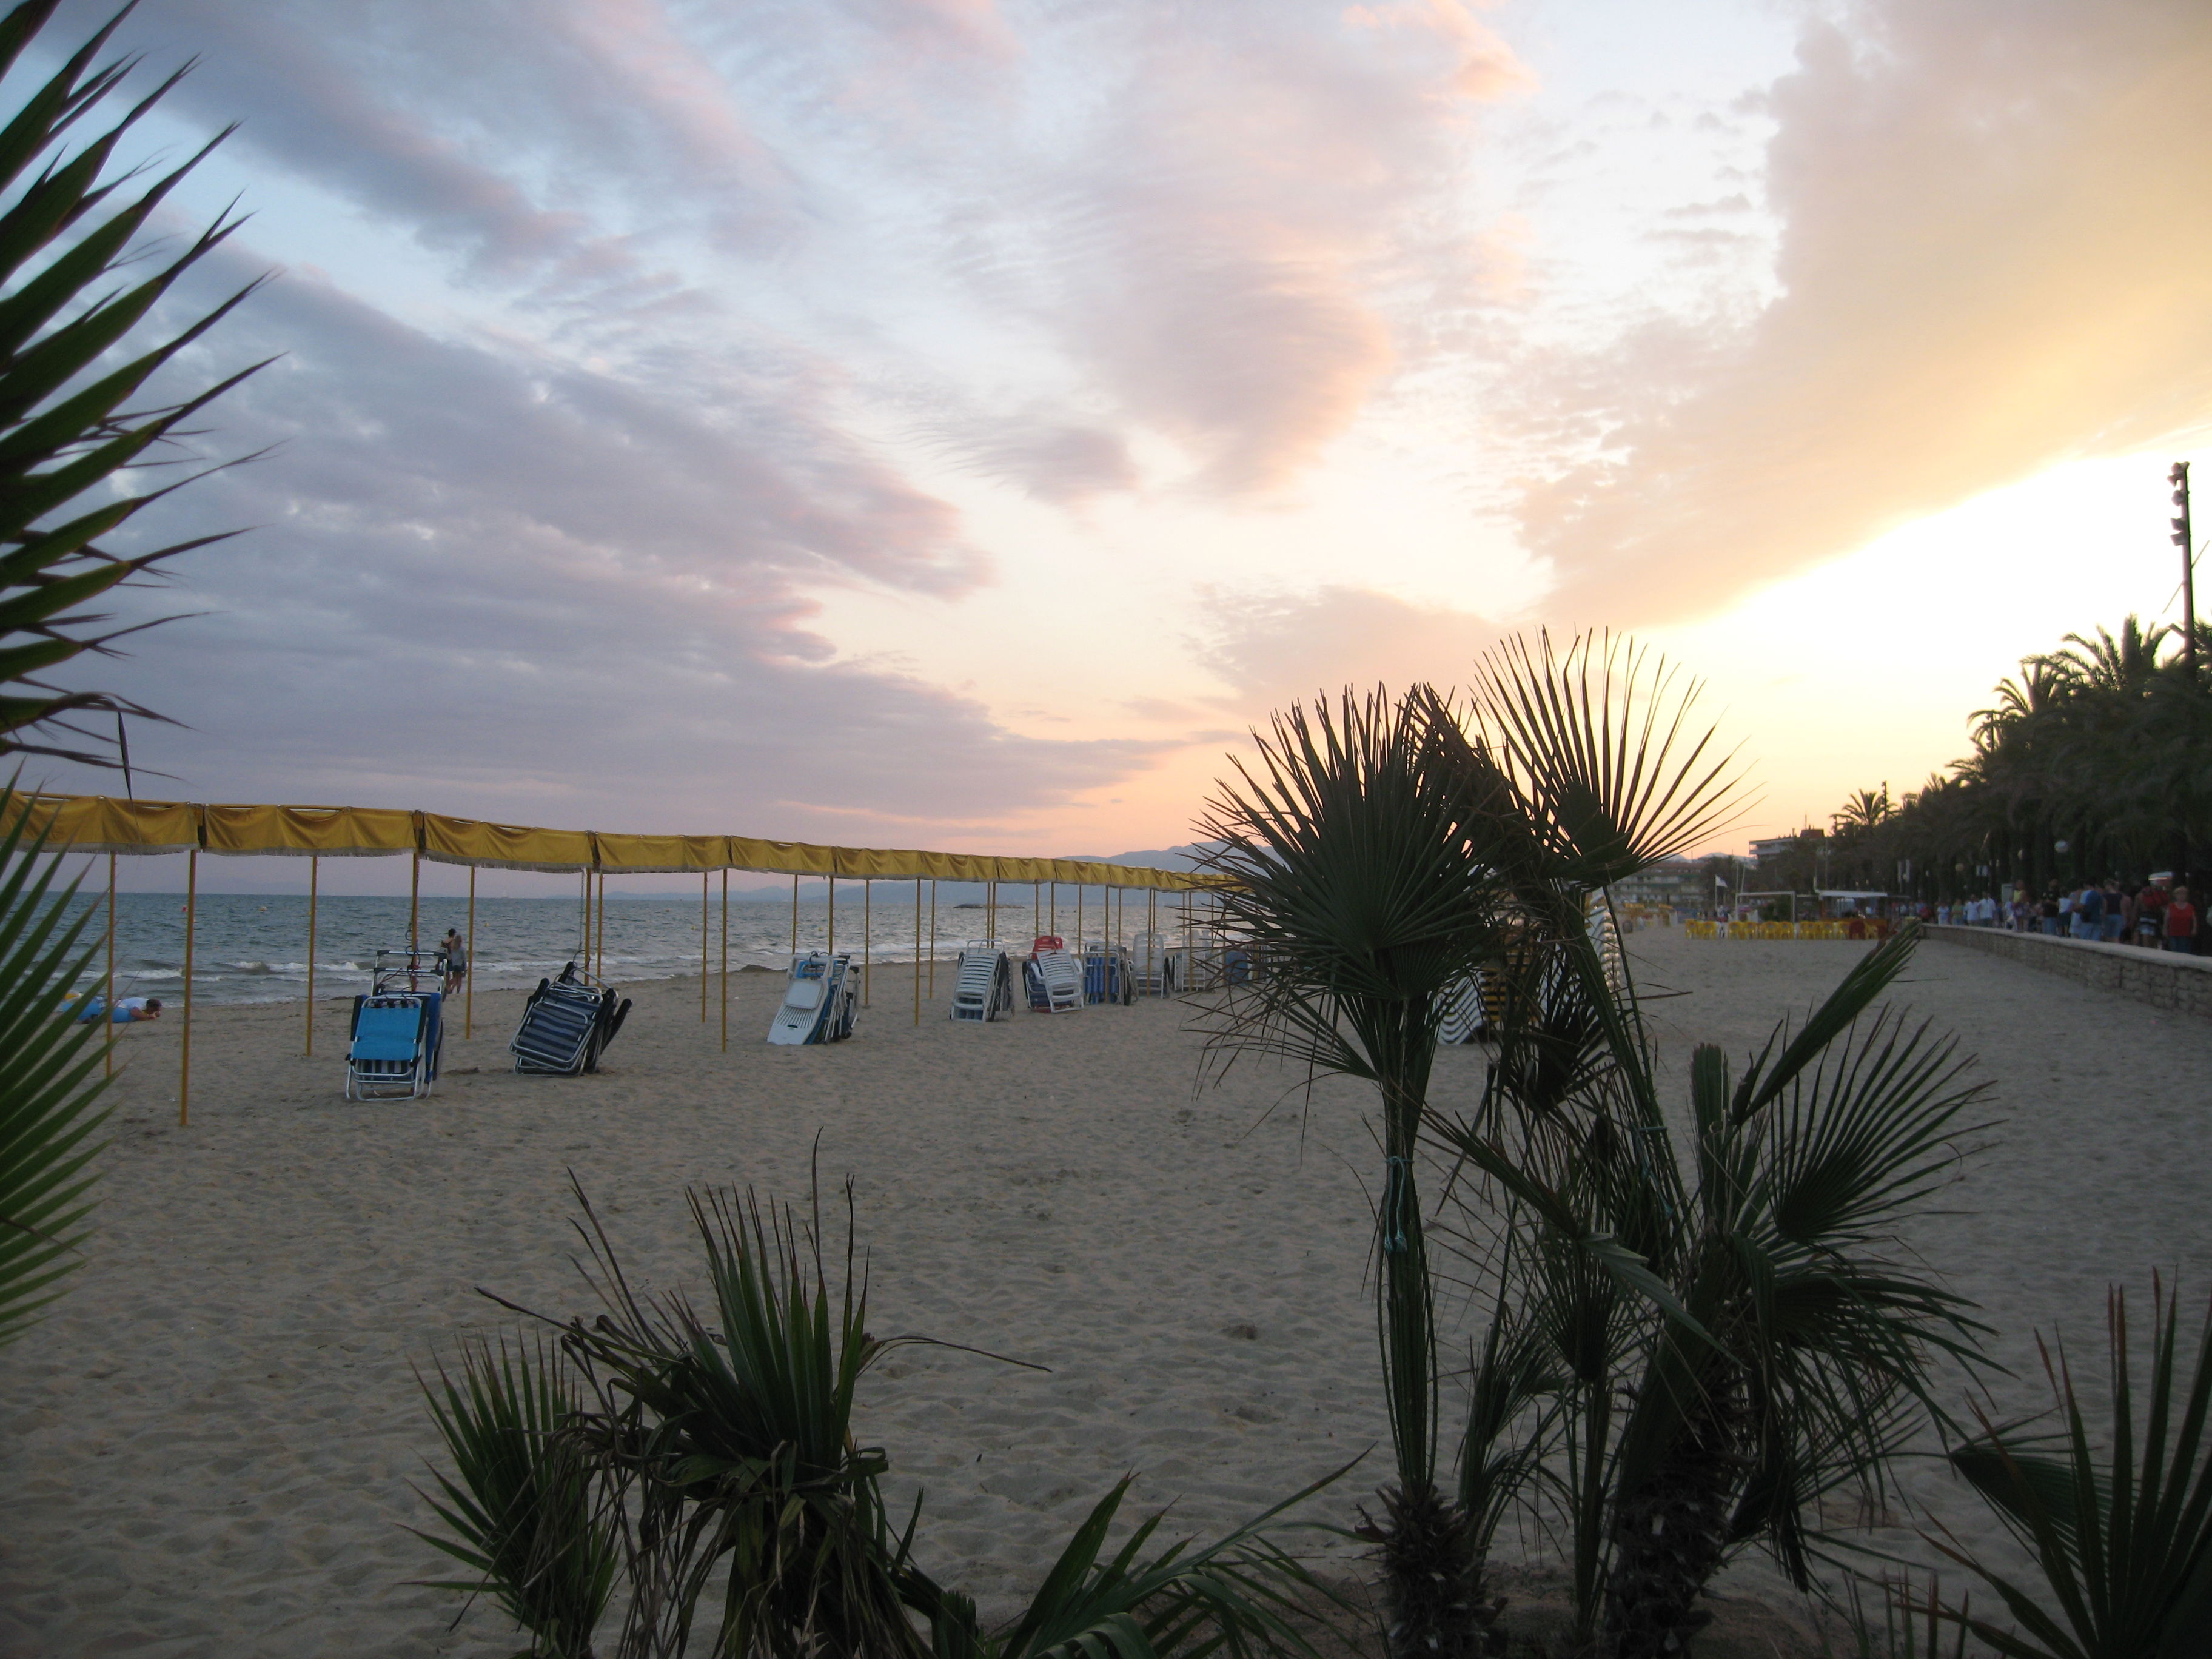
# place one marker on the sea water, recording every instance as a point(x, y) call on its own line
point(253, 948)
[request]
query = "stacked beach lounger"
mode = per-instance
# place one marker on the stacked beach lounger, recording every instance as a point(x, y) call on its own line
point(567, 1025)
point(1052, 977)
point(983, 984)
point(1108, 975)
point(398, 1028)
point(820, 1003)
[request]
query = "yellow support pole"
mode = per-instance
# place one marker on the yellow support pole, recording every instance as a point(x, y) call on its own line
point(107, 997)
point(1035, 905)
point(932, 939)
point(725, 962)
point(602, 975)
point(414, 908)
point(184, 1059)
point(1078, 922)
point(917, 949)
point(315, 886)
point(867, 943)
point(1151, 929)
point(469, 982)
point(1052, 926)
point(794, 912)
point(833, 916)
point(705, 935)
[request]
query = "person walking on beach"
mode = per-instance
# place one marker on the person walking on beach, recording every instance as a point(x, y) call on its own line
point(2116, 918)
point(2181, 924)
point(456, 960)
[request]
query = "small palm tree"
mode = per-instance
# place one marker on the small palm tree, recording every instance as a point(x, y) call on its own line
point(1381, 852)
point(1358, 849)
point(1735, 1331)
point(2122, 1536)
point(671, 1455)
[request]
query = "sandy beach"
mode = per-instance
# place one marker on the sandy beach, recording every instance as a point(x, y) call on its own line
point(207, 1447)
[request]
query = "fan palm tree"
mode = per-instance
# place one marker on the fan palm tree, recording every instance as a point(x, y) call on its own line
point(70, 294)
point(1366, 883)
point(1738, 1289)
point(1381, 852)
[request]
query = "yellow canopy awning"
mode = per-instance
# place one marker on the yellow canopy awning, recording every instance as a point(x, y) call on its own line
point(97, 823)
point(100, 824)
point(298, 831)
point(660, 855)
point(504, 846)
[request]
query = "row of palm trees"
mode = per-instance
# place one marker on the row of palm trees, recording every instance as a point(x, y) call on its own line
point(2095, 760)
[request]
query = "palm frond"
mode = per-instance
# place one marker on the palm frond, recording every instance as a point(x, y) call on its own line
point(66, 429)
point(50, 1084)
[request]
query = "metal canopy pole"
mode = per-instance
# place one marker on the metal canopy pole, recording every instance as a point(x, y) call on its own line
point(314, 884)
point(867, 943)
point(414, 908)
point(933, 938)
point(705, 936)
point(917, 949)
point(469, 978)
point(725, 962)
point(833, 916)
point(107, 999)
point(794, 912)
point(185, 1060)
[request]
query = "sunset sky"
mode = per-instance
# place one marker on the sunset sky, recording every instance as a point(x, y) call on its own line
point(951, 424)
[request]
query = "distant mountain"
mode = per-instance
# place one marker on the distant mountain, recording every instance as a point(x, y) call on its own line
point(1158, 858)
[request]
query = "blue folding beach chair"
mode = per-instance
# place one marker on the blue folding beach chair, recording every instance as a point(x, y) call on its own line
point(392, 1053)
point(567, 1025)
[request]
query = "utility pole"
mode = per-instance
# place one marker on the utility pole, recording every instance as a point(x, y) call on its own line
point(2179, 478)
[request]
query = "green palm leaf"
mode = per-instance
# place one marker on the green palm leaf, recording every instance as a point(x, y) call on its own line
point(64, 427)
point(49, 1081)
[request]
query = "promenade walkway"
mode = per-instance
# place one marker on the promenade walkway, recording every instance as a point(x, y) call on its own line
point(2160, 978)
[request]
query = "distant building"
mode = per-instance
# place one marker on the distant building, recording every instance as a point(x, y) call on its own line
point(1684, 884)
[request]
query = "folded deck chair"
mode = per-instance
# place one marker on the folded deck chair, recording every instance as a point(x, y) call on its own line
point(1108, 975)
point(983, 984)
point(1059, 977)
point(820, 1001)
point(392, 1051)
point(567, 1025)
point(1464, 1020)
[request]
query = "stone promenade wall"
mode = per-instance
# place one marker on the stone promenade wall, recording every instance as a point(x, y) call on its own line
point(2160, 978)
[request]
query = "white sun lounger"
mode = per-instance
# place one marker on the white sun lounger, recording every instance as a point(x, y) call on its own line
point(1062, 977)
point(820, 1002)
point(983, 984)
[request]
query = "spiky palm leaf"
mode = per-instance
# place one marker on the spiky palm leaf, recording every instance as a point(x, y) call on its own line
point(66, 429)
point(50, 1081)
point(521, 1507)
point(2122, 1537)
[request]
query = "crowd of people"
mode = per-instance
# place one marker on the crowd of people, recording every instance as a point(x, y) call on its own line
point(2150, 915)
